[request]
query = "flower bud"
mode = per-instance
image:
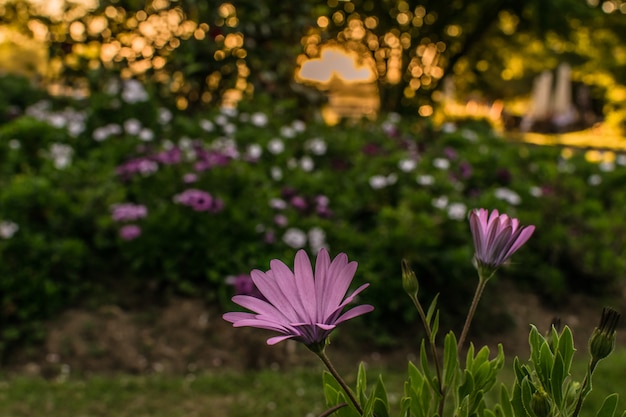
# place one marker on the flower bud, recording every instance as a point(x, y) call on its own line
point(409, 280)
point(540, 403)
point(602, 340)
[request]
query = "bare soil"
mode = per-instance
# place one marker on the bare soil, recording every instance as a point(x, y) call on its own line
point(186, 335)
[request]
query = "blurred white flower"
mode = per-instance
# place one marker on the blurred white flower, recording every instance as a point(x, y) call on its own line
point(388, 127)
point(621, 159)
point(508, 195)
point(565, 166)
point(8, 229)
point(133, 92)
point(185, 143)
point(75, 127)
point(316, 145)
point(207, 125)
point(221, 119)
point(295, 238)
point(407, 165)
point(229, 111)
point(535, 191)
point(594, 179)
point(392, 179)
point(606, 166)
point(440, 202)
point(441, 163)
point(57, 120)
point(132, 126)
point(229, 129)
point(287, 132)
point(448, 127)
point(61, 155)
point(457, 211)
point(14, 144)
point(103, 132)
point(112, 86)
point(278, 204)
point(469, 135)
point(259, 119)
point(298, 126)
point(394, 117)
point(425, 179)
point(378, 181)
point(146, 134)
point(276, 146)
point(307, 164)
point(317, 239)
point(276, 173)
point(254, 151)
point(165, 116)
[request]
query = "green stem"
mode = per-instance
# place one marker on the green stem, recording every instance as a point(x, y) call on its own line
point(470, 315)
point(433, 349)
point(322, 355)
point(332, 410)
point(585, 388)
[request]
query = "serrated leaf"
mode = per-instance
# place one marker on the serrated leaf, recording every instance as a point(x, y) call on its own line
point(505, 402)
point(451, 359)
point(566, 349)
point(608, 406)
point(557, 378)
point(527, 393)
point(535, 340)
point(516, 401)
point(521, 371)
point(544, 367)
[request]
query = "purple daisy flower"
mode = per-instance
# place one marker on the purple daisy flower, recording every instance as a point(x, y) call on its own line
point(301, 305)
point(496, 238)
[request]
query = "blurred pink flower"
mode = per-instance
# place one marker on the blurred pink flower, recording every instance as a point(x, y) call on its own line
point(130, 232)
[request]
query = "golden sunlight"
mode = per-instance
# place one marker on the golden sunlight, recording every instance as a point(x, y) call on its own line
point(335, 63)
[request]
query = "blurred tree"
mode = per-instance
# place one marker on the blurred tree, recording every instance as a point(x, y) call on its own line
point(202, 51)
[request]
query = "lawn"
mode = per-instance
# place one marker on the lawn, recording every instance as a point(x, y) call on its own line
point(280, 393)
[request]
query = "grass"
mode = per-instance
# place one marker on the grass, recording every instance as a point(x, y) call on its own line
point(279, 393)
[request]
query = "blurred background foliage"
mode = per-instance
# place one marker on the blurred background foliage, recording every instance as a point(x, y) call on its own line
point(67, 131)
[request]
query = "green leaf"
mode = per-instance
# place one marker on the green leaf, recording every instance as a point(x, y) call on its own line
point(505, 402)
point(608, 406)
point(527, 394)
point(557, 378)
point(566, 349)
point(432, 380)
point(516, 401)
point(381, 402)
point(545, 365)
point(434, 328)
point(431, 309)
point(489, 413)
point(451, 359)
point(468, 385)
point(361, 384)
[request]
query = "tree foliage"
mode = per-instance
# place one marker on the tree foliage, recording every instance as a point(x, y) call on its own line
point(198, 51)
